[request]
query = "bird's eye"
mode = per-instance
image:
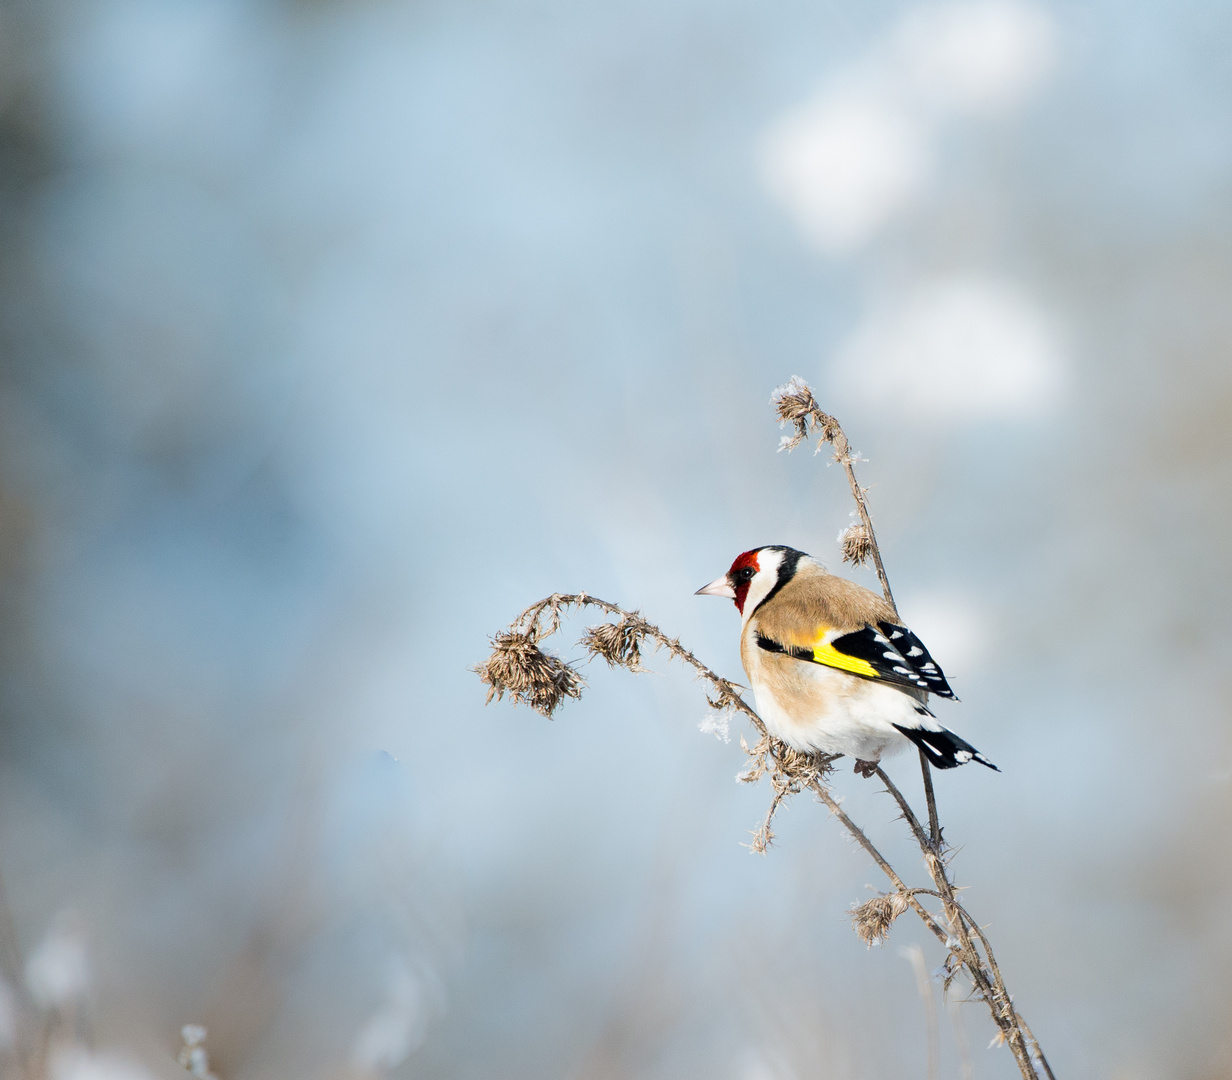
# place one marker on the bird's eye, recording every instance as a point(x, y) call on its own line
point(745, 573)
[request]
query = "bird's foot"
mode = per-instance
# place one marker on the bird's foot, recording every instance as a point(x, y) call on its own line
point(866, 768)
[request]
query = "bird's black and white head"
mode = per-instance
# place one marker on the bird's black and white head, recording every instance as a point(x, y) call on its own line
point(755, 576)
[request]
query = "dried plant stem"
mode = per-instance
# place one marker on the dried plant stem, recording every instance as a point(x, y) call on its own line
point(789, 771)
point(857, 833)
point(520, 668)
point(843, 455)
point(794, 403)
point(552, 607)
point(1038, 1052)
point(983, 971)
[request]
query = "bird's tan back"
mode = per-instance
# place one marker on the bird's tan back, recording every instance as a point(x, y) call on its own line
point(815, 601)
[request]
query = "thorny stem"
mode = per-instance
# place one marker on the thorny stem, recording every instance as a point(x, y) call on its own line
point(1039, 1053)
point(842, 454)
point(796, 404)
point(791, 771)
point(987, 979)
point(529, 621)
point(908, 894)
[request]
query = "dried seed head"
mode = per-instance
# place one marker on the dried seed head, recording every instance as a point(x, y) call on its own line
point(620, 644)
point(793, 400)
point(830, 429)
point(794, 404)
point(872, 919)
point(857, 544)
point(529, 675)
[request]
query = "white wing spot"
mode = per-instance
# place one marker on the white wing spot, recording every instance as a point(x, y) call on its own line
point(963, 755)
point(902, 670)
point(881, 639)
point(915, 650)
point(896, 635)
point(890, 655)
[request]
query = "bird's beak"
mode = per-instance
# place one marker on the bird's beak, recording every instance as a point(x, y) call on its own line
point(718, 587)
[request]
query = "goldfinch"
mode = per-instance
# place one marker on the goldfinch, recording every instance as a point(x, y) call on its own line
point(831, 667)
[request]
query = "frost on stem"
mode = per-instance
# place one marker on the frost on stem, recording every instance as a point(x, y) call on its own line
point(872, 919)
point(519, 668)
point(717, 724)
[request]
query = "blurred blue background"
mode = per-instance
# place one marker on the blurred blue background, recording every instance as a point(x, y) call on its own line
point(336, 332)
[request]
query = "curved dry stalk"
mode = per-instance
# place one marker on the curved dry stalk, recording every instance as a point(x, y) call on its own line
point(518, 666)
point(985, 974)
point(517, 661)
point(794, 404)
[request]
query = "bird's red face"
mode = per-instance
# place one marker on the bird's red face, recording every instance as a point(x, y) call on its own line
point(741, 576)
point(757, 574)
point(735, 583)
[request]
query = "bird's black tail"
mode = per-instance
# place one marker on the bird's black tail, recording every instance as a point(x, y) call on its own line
point(944, 749)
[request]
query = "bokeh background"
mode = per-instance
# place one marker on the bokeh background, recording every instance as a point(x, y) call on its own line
point(335, 332)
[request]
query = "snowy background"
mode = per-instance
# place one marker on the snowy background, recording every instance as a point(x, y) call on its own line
point(335, 332)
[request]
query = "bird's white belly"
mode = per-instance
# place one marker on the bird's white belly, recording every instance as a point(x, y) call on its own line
point(847, 715)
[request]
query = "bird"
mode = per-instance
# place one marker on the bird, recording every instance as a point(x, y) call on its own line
point(832, 668)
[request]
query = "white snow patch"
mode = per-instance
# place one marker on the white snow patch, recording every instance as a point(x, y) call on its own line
point(843, 163)
point(981, 57)
point(952, 627)
point(397, 1029)
point(717, 723)
point(850, 158)
point(77, 1063)
point(958, 348)
point(58, 970)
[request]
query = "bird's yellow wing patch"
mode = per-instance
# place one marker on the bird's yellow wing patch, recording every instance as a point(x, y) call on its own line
point(825, 653)
point(887, 651)
point(821, 651)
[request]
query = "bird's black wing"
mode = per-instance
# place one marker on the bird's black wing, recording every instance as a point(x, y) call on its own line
point(896, 655)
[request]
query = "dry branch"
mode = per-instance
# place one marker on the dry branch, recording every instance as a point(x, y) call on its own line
point(518, 666)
